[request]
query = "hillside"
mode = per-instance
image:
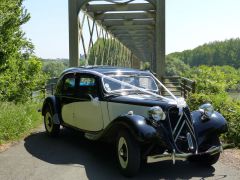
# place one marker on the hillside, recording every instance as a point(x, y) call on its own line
point(215, 53)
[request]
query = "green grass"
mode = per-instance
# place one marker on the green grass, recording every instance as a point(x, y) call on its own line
point(17, 120)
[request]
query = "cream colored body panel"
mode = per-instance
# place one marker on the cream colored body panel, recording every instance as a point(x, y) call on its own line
point(105, 115)
point(85, 115)
point(96, 115)
point(67, 114)
point(88, 115)
point(117, 109)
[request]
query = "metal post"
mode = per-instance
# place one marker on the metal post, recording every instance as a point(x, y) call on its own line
point(160, 38)
point(131, 59)
point(73, 33)
point(193, 87)
point(52, 89)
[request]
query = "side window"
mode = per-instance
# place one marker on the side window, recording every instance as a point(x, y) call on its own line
point(68, 84)
point(87, 81)
point(87, 86)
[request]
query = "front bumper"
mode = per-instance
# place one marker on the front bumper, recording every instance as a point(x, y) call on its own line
point(184, 156)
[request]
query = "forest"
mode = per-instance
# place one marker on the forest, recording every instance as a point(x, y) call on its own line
point(218, 53)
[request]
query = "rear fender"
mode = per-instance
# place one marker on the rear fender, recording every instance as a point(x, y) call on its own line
point(54, 106)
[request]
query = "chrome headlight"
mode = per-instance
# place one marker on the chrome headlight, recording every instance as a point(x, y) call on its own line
point(156, 113)
point(207, 109)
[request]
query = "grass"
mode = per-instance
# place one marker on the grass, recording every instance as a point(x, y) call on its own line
point(17, 120)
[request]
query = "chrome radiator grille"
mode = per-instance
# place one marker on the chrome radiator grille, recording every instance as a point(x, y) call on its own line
point(182, 131)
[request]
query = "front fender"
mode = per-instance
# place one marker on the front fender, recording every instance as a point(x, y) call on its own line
point(137, 125)
point(215, 125)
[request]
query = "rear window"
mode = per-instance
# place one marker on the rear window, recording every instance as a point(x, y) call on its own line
point(87, 81)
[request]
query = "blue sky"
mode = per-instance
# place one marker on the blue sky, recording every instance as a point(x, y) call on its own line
point(189, 23)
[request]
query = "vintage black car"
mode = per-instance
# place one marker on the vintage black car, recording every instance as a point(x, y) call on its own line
point(125, 107)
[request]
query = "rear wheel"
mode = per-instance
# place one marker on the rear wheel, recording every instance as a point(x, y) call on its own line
point(128, 154)
point(51, 128)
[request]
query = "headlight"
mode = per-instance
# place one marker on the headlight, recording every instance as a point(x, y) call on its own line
point(156, 113)
point(207, 109)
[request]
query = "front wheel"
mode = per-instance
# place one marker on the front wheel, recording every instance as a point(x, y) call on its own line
point(208, 160)
point(128, 154)
point(52, 129)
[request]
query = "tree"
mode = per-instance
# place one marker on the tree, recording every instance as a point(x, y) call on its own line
point(20, 70)
point(216, 53)
point(175, 67)
point(54, 67)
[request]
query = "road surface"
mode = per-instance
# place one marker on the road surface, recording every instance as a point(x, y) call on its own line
point(71, 157)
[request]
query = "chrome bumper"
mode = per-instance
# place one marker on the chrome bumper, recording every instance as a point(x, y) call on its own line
point(182, 157)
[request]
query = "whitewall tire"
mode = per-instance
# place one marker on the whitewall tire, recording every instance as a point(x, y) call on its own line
point(51, 128)
point(128, 154)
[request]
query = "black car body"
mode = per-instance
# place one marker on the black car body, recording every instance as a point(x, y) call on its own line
point(124, 106)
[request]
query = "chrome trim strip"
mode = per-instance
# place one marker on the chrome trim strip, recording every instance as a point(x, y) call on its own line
point(184, 122)
point(189, 123)
point(179, 120)
point(183, 157)
point(190, 142)
point(190, 128)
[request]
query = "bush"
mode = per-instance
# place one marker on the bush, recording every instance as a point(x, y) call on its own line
point(212, 84)
point(175, 67)
point(20, 79)
point(215, 79)
point(17, 120)
point(225, 105)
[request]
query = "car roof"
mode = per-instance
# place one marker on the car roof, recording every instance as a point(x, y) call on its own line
point(103, 70)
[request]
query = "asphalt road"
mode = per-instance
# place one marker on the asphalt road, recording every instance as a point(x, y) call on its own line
point(71, 157)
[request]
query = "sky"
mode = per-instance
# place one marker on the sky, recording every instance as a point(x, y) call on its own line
point(189, 23)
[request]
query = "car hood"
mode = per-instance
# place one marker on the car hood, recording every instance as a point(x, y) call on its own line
point(143, 100)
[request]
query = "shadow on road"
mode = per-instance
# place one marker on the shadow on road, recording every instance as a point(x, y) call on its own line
point(98, 158)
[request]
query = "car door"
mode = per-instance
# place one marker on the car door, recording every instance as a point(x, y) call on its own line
point(87, 111)
point(67, 98)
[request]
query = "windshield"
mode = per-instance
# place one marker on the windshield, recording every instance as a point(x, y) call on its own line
point(111, 83)
point(141, 81)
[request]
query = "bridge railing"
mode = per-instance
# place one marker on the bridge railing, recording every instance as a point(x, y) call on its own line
point(179, 86)
point(42, 93)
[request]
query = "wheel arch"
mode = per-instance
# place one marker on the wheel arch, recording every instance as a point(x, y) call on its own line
point(215, 125)
point(136, 125)
point(54, 106)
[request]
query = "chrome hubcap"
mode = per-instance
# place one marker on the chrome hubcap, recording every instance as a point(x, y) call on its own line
point(123, 152)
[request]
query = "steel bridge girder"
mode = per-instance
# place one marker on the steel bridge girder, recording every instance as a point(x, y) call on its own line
point(141, 32)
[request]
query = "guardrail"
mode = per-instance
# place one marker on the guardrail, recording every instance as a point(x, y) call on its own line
point(42, 93)
point(179, 86)
point(49, 89)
